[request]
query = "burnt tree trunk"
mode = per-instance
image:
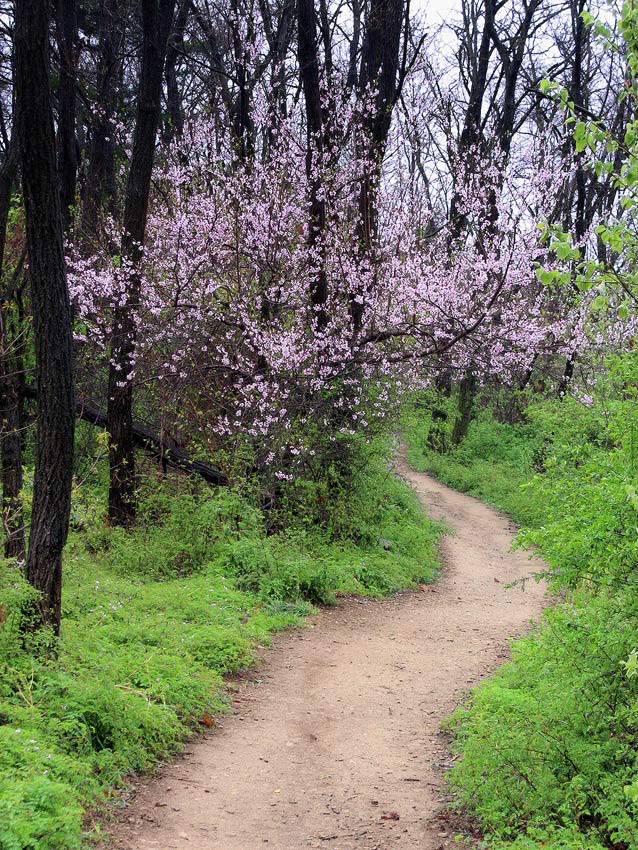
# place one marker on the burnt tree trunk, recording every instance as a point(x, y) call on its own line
point(157, 20)
point(51, 311)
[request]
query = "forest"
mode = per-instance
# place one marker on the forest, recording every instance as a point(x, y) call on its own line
point(319, 317)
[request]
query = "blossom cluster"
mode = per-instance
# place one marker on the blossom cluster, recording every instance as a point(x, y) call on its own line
point(226, 322)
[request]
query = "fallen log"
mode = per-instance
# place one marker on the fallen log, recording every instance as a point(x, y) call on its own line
point(143, 438)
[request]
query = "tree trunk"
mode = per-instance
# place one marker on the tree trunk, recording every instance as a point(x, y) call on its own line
point(100, 186)
point(51, 311)
point(175, 122)
point(157, 22)
point(67, 36)
point(380, 55)
point(308, 58)
point(467, 393)
point(161, 447)
point(11, 404)
point(11, 385)
point(576, 92)
point(471, 135)
point(568, 374)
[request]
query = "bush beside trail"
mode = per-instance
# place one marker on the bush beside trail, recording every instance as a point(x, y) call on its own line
point(548, 744)
point(156, 616)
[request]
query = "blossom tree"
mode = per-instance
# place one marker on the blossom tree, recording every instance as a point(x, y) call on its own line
point(228, 316)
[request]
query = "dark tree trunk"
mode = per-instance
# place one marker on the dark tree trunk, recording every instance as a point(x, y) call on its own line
point(11, 448)
point(471, 135)
point(467, 394)
point(308, 58)
point(67, 36)
point(380, 71)
point(472, 145)
point(242, 119)
point(511, 57)
point(577, 94)
point(527, 377)
point(326, 38)
point(157, 22)
point(576, 204)
point(11, 386)
point(51, 311)
point(11, 423)
point(568, 374)
point(279, 32)
point(380, 65)
point(175, 124)
point(351, 80)
point(100, 185)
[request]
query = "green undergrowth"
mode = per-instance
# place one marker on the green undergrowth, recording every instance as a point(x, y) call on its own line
point(493, 462)
point(152, 620)
point(548, 746)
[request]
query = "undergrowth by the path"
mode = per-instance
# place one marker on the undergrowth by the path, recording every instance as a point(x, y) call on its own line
point(549, 744)
point(153, 618)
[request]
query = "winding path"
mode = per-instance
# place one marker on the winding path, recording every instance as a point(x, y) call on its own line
point(336, 745)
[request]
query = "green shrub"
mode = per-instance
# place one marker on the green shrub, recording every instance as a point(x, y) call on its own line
point(548, 744)
point(154, 617)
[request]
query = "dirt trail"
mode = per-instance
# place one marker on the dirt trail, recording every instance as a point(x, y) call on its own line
point(341, 727)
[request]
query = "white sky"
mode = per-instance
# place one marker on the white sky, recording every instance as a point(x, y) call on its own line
point(437, 11)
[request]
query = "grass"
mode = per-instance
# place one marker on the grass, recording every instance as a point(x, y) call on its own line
point(152, 621)
point(547, 745)
point(494, 462)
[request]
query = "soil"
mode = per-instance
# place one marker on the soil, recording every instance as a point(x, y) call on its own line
point(335, 741)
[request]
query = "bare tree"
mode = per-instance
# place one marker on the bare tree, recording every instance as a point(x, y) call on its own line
point(157, 19)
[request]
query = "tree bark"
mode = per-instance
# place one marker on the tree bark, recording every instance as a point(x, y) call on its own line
point(157, 16)
point(308, 58)
point(568, 374)
point(11, 384)
point(100, 186)
point(353, 52)
point(11, 449)
point(467, 393)
point(576, 201)
point(379, 76)
point(51, 311)
point(471, 136)
point(67, 36)
point(175, 123)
